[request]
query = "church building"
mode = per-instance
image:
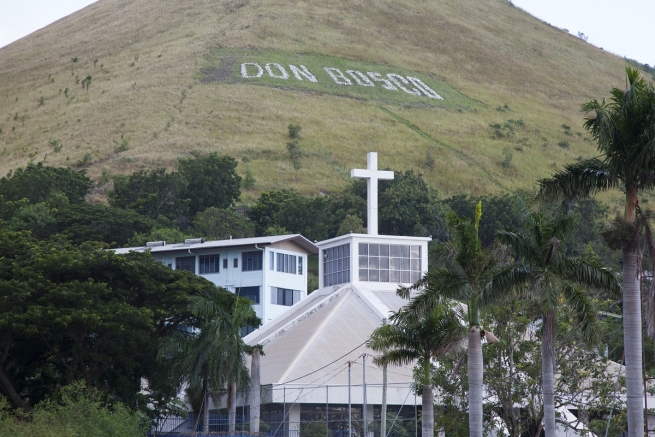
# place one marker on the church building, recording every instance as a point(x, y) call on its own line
point(316, 362)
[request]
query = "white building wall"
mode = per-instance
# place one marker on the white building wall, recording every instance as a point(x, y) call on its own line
point(355, 239)
point(276, 279)
point(232, 278)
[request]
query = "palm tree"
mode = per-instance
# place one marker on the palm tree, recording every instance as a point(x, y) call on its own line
point(551, 278)
point(624, 130)
point(421, 338)
point(463, 271)
point(214, 358)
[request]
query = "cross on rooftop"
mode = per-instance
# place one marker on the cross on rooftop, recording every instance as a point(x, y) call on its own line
point(372, 175)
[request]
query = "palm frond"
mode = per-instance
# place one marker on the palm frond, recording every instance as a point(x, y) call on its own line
point(585, 315)
point(503, 282)
point(581, 179)
point(589, 274)
point(521, 245)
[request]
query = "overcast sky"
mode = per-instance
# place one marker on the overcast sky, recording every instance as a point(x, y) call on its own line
point(625, 28)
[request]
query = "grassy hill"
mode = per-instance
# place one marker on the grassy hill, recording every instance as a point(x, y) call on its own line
point(166, 82)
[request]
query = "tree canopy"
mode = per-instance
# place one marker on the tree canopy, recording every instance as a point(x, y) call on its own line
point(72, 312)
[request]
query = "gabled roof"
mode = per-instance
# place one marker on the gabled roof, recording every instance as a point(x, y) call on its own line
point(321, 333)
point(298, 239)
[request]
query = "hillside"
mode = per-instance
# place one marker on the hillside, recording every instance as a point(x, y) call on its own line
point(167, 81)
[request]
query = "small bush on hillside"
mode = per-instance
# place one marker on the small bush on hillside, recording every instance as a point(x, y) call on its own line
point(248, 181)
point(56, 146)
point(294, 130)
point(563, 144)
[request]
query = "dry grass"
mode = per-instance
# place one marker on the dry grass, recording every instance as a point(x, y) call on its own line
point(148, 90)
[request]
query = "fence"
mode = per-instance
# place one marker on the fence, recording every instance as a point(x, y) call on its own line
point(304, 410)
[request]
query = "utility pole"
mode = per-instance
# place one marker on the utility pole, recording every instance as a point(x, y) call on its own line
point(383, 413)
point(350, 428)
point(364, 400)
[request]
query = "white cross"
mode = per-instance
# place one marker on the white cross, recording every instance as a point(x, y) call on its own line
point(372, 175)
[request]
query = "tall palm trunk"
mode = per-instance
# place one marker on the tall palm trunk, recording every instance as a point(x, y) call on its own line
point(205, 412)
point(548, 374)
point(255, 391)
point(632, 343)
point(427, 404)
point(475, 382)
point(232, 406)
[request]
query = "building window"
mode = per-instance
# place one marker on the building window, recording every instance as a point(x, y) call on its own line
point(336, 265)
point(187, 263)
point(389, 263)
point(271, 260)
point(235, 263)
point(300, 265)
point(251, 293)
point(284, 296)
point(286, 263)
point(225, 263)
point(208, 264)
point(251, 261)
point(245, 330)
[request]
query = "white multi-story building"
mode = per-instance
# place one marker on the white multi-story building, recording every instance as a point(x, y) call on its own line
point(270, 271)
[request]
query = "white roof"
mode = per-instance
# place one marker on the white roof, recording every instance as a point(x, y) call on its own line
point(321, 333)
point(235, 242)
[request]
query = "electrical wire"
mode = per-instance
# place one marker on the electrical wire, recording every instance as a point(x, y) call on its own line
point(328, 364)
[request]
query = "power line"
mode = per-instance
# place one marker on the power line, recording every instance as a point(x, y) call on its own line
point(328, 364)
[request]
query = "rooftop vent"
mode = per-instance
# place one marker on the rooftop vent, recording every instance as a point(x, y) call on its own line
point(155, 243)
point(194, 241)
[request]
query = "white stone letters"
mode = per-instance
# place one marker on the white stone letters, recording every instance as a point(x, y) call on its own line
point(244, 70)
point(337, 76)
point(424, 88)
point(385, 83)
point(283, 73)
point(397, 79)
point(392, 82)
point(359, 77)
point(302, 71)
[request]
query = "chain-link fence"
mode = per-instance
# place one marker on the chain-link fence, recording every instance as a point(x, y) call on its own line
point(309, 411)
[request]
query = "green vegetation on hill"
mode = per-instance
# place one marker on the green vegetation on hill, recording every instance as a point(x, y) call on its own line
point(106, 91)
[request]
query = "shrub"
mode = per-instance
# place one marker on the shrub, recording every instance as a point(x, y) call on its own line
point(563, 144)
point(294, 130)
point(76, 411)
point(56, 146)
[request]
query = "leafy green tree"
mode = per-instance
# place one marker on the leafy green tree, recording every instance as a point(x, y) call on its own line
point(462, 272)
point(72, 312)
point(624, 131)
point(409, 207)
point(169, 235)
point(551, 278)
point(151, 193)
point(310, 217)
point(91, 222)
point(421, 338)
point(263, 212)
point(221, 224)
point(36, 218)
point(211, 181)
point(38, 182)
point(352, 224)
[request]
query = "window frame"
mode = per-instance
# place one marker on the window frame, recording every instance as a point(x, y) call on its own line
point(252, 261)
point(209, 271)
